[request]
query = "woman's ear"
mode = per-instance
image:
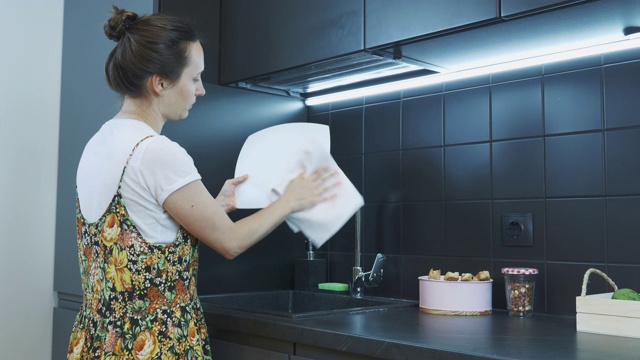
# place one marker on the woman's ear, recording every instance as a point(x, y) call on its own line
point(157, 85)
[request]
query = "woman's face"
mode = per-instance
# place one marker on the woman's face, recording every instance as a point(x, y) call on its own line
point(178, 98)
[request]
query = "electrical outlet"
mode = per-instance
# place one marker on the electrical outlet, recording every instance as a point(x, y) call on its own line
point(517, 229)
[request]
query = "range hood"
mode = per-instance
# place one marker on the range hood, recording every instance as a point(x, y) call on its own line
point(505, 40)
point(360, 68)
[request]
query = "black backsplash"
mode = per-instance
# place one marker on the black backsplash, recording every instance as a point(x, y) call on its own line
point(439, 165)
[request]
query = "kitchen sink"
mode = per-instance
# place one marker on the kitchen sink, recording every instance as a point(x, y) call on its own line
point(293, 304)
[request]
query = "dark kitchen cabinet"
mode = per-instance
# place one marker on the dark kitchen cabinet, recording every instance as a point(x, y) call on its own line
point(517, 7)
point(204, 16)
point(390, 21)
point(263, 36)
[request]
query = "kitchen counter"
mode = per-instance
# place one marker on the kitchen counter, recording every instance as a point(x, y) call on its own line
point(407, 333)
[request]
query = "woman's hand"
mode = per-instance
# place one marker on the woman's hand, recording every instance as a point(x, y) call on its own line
point(227, 196)
point(304, 192)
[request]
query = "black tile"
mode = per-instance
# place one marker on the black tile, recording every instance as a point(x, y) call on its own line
point(467, 172)
point(423, 90)
point(423, 228)
point(346, 132)
point(468, 229)
point(499, 291)
point(378, 98)
point(621, 94)
point(621, 56)
point(320, 118)
point(466, 116)
point(467, 83)
point(340, 267)
point(535, 252)
point(517, 169)
point(349, 103)
point(412, 268)
point(381, 228)
point(422, 178)
point(573, 64)
point(383, 177)
point(572, 102)
point(351, 165)
point(516, 109)
point(320, 108)
point(564, 284)
point(623, 242)
point(344, 239)
point(574, 165)
point(422, 122)
point(624, 276)
point(382, 127)
point(576, 230)
point(517, 74)
point(623, 162)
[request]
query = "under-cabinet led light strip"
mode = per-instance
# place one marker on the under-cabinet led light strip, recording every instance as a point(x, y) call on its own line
point(624, 44)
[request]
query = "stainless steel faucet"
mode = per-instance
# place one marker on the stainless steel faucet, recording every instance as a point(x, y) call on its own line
point(362, 279)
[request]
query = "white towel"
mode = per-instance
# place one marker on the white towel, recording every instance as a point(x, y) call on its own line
point(274, 156)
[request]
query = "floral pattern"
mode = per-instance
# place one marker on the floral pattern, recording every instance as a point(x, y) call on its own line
point(140, 299)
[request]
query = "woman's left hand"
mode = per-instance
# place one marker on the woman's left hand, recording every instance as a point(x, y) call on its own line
point(227, 196)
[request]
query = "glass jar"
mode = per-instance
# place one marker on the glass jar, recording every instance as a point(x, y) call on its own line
point(520, 284)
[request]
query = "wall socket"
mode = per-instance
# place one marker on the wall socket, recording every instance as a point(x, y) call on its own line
point(517, 229)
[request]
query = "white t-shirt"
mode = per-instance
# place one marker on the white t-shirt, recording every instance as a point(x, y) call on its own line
point(157, 168)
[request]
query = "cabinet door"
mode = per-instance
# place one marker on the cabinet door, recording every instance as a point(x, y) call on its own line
point(389, 21)
point(204, 16)
point(513, 7)
point(262, 36)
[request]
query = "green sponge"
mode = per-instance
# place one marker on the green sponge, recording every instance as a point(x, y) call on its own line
point(333, 286)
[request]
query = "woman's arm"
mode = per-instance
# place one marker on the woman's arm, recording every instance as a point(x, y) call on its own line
point(199, 213)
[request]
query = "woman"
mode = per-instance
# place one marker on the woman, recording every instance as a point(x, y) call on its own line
point(138, 258)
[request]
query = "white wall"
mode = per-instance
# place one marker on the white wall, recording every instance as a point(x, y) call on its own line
point(30, 69)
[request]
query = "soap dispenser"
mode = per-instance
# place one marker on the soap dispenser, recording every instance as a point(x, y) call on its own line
point(309, 271)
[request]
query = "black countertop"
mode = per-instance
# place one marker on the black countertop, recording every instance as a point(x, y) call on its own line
point(408, 333)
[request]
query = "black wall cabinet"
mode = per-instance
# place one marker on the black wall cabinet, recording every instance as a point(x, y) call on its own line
point(263, 36)
point(204, 16)
point(390, 21)
point(516, 7)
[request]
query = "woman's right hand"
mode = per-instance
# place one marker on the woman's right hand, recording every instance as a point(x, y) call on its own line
point(304, 192)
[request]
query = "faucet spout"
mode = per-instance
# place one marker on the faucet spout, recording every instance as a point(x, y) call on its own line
point(361, 279)
point(371, 278)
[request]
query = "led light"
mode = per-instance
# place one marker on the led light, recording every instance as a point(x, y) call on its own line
point(622, 44)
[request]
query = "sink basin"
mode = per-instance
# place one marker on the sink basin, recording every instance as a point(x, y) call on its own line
point(293, 304)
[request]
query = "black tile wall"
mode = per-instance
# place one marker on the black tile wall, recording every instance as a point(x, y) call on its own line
point(382, 127)
point(574, 165)
point(572, 101)
point(466, 116)
point(423, 228)
point(575, 230)
point(623, 162)
point(422, 178)
point(438, 166)
point(467, 172)
point(621, 94)
point(422, 122)
point(623, 242)
point(516, 109)
point(518, 168)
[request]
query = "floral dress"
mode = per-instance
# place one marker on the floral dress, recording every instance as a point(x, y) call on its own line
point(140, 299)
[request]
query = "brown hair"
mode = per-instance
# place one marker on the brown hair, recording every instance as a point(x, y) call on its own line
point(146, 45)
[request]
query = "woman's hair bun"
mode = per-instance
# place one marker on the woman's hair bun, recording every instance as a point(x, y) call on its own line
point(116, 26)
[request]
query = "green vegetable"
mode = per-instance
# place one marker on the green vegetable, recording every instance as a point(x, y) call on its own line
point(626, 294)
